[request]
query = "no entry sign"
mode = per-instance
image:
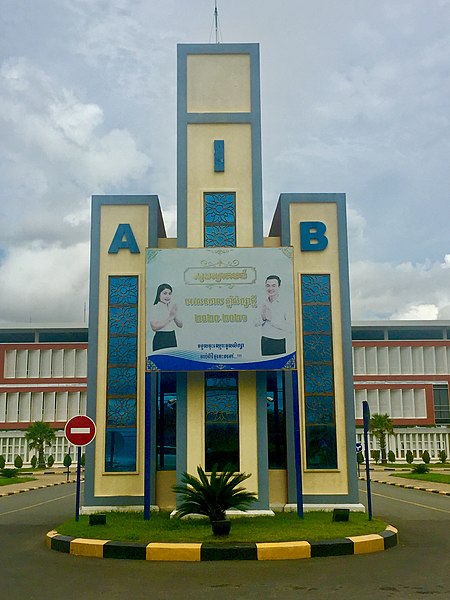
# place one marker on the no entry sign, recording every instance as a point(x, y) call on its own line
point(80, 430)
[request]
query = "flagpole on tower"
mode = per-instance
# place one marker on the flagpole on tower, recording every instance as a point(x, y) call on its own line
point(215, 25)
point(216, 19)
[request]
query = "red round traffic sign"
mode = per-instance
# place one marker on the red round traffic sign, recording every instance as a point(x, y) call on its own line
point(80, 430)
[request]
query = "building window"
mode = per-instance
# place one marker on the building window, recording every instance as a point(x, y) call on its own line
point(221, 420)
point(367, 334)
point(421, 333)
point(166, 443)
point(441, 404)
point(220, 219)
point(276, 420)
point(321, 450)
point(121, 398)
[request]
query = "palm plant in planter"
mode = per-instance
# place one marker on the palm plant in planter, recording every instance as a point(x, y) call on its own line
point(213, 496)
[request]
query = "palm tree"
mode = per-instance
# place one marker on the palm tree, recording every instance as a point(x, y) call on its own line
point(380, 426)
point(39, 435)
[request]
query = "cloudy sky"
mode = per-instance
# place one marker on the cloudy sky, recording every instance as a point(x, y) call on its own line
point(355, 99)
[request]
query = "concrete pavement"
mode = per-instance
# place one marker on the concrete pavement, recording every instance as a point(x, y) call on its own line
point(43, 479)
point(385, 475)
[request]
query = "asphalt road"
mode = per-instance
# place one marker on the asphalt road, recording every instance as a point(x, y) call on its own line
point(419, 566)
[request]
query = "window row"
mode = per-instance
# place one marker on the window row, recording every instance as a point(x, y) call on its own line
point(417, 442)
point(397, 403)
point(25, 407)
point(17, 445)
point(401, 360)
point(49, 362)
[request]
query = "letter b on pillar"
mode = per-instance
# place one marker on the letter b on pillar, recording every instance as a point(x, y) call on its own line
point(312, 236)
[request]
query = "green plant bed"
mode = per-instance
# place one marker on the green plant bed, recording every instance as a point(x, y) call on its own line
point(432, 477)
point(131, 527)
point(11, 480)
point(400, 466)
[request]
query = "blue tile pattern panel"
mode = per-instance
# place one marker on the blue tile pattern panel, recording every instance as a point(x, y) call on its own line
point(121, 395)
point(220, 219)
point(318, 378)
point(221, 420)
point(219, 156)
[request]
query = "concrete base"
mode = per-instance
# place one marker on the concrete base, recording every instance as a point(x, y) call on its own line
point(232, 514)
point(325, 507)
point(90, 510)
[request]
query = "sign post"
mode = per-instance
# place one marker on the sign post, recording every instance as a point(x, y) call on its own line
point(366, 419)
point(79, 431)
point(358, 450)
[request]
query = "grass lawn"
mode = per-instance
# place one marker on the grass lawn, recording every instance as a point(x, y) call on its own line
point(432, 477)
point(408, 466)
point(131, 527)
point(11, 480)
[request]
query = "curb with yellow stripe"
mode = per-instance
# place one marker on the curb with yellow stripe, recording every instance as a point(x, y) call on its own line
point(157, 551)
point(408, 486)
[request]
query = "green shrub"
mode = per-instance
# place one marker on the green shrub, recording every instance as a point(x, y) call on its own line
point(426, 457)
point(50, 460)
point(18, 462)
point(212, 496)
point(9, 473)
point(421, 469)
point(83, 459)
point(376, 455)
point(33, 461)
point(442, 456)
point(2, 462)
point(359, 458)
point(391, 456)
point(409, 457)
point(67, 460)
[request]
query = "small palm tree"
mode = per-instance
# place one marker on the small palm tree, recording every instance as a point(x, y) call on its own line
point(39, 435)
point(380, 426)
point(214, 495)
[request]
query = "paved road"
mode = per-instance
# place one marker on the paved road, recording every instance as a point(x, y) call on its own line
point(418, 566)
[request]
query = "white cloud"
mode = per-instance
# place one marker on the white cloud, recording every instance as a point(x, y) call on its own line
point(399, 291)
point(41, 284)
point(59, 152)
point(354, 99)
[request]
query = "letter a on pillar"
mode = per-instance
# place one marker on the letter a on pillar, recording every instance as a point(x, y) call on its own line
point(124, 239)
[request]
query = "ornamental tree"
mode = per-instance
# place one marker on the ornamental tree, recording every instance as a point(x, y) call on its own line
point(380, 426)
point(39, 435)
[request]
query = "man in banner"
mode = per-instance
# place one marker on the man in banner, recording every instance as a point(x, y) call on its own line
point(273, 320)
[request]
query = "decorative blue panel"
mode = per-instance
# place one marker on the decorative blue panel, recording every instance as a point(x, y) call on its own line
point(219, 156)
point(121, 413)
point(123, 290)
point(318, 378)
point(319, 410)
point(123, 319)
point(121, 383)
point(121, 380)
point(316, 318)
point(218, 235)
point(219, 208)
point(317, 348)
point(316, 288)
point(221, 420)
point(220, 220)
point(122, 350)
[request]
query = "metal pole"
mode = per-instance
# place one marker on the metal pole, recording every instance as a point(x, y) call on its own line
point(77, 496)
point(297, 446)
point(147, 450)
point(366, 417)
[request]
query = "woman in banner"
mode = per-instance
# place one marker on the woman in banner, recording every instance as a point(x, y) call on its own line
point(164, 319)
